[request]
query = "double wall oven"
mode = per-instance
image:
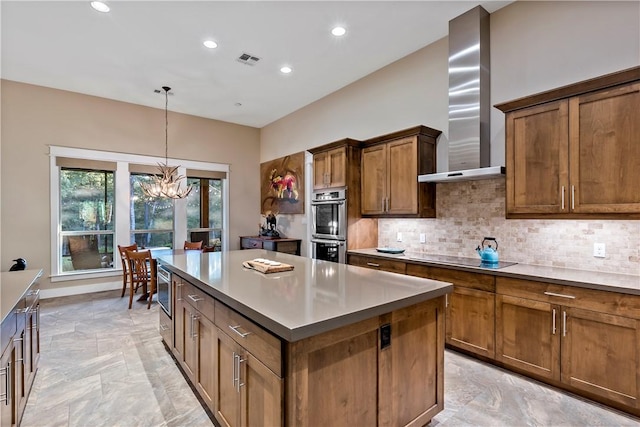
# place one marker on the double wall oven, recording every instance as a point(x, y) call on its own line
point(329, 225)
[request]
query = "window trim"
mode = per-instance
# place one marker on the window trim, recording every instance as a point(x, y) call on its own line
point(122, 228)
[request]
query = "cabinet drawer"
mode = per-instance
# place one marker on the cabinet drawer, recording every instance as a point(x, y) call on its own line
point(378, 263)
point(482, 282)
point(246, 243)
point(571, 296)
point(166, 331)
point(198, 299)
point(262, 344)
point(287, 247)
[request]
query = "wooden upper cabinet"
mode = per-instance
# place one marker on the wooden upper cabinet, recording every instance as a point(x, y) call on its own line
point(573, 152)
point(330, 168)
point(537, 155)
point(374, 182)
point(390, 168)
point(605, 149)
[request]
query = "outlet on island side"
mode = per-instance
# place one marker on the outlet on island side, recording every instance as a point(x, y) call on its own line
point(599, 250)
point(423, 238)
point(399, 237)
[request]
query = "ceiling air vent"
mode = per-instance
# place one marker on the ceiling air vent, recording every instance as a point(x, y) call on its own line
point(245, 58)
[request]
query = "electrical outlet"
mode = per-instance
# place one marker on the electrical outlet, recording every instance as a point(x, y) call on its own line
point(399, 237)
point(599, 250)
point(423, 238)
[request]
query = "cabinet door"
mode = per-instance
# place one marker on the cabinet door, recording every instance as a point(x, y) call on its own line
point(227, 399)
point(411, 395)
point(337, 170)
point(374, 180)
point(190, 330)
point(320, 167)
point(205, 374)
point(528, 335)
point(261, 393)
point(471, 321)
point(178, 319)
point(537, 156)
point(605, 153)
point(600, 355)
point(402, 176)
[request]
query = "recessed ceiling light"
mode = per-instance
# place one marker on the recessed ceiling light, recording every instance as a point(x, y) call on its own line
point(338, 31)
point(210, 44)
point(286, 70)
point(100, 6)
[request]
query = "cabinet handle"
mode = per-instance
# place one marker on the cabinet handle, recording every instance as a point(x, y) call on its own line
point(235, 329)
point(233, 373)
point(33, 292)
point(573, 197)
point(195, 298)
point(193, 334)
point(36, 317)
point(562, 197)
point(382, 203)
point(373, 264)
point(7, 382)
point(20, 359)
point(21, 310)
point(446, 300)
point(386, 204)
point(553, 328)
point(564, 323)
point(553, 294)
point(239, 384)
point(163, 327)
point(179, 296)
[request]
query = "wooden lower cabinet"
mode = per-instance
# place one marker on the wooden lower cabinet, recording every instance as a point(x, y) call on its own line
point(197, 339)
point(600, 355)
point(471, 320)
point(249, 394)
point(470, 324)
point(544, 330)
point(387, 370)
point(382, 371)
point(528, 336)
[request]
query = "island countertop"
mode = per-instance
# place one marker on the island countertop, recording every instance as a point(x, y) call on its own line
point(315, 297)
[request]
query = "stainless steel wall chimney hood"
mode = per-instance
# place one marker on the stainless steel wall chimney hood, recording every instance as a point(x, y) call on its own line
point(469, 101)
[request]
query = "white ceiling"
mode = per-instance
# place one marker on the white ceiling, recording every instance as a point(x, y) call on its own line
point(143, 45)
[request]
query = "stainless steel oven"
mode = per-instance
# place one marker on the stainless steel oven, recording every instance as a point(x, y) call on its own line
point(329, 250)
point(329, 214)
point(164, 288)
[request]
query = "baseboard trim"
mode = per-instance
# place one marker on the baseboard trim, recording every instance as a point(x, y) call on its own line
point(81, 289)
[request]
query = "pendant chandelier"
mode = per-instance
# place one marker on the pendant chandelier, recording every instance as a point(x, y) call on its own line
point(166, 183)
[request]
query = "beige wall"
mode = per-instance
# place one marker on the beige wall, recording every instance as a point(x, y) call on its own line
point(535, 46)
point(35, 117)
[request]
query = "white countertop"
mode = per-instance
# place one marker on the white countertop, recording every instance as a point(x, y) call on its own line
point(612, 282)
point(317, 296)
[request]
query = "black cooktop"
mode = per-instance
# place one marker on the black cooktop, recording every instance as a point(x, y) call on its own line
point(454, 260)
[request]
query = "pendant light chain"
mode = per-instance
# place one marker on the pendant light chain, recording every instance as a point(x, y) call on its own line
point(167, 183)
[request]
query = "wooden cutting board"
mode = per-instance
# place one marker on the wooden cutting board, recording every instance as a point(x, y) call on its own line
point(267, 268)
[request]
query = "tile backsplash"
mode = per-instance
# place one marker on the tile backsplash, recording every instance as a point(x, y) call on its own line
point(468, 211)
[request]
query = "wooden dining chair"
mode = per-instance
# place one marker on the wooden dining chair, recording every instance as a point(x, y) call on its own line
point(125, 264)
point(192, 245)
point(142, 272)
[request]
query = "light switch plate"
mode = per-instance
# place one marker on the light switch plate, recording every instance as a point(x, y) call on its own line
point(599, 250)
point(423, 238)
point(399, 237)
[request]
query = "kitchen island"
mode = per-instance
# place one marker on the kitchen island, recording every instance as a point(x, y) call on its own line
point(323, 344)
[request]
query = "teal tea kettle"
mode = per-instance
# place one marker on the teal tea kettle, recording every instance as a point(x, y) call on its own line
point(488, 255)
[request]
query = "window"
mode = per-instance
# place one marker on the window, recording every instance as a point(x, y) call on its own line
point(86, 219)
point(97, 204)
point(204, 211)
point(151, 219)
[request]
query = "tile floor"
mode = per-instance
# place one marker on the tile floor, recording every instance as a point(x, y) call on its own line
point(104, 365)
